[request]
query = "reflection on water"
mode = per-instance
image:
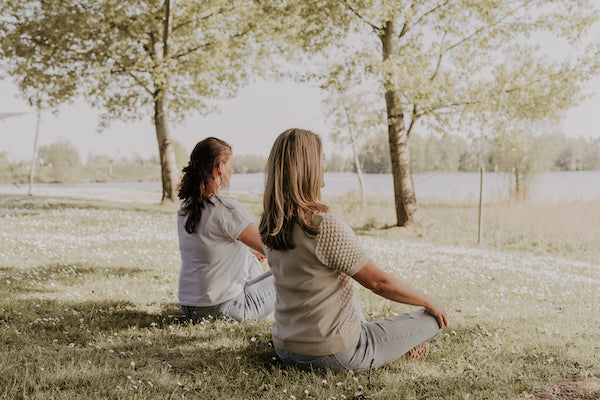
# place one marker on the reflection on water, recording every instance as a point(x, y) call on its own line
point(547, 188)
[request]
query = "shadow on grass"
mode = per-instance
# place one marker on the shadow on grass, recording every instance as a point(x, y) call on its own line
point(224, 359)
point(78, 342)
point(44, 279)
point(50, 319)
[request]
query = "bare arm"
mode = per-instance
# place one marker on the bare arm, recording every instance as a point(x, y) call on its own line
point(251, 238)
point(385, 285)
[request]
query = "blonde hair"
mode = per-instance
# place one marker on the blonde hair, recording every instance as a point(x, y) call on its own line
point(292, 188)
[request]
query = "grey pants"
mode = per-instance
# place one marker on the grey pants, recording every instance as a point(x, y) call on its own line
point(380, 343)
point(255, 303)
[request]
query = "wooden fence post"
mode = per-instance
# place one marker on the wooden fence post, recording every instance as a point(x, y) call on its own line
point(34, 156)
point(481, 173)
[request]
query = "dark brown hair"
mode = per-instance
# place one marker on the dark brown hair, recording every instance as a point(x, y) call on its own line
point(292, 188)
point(198, 183)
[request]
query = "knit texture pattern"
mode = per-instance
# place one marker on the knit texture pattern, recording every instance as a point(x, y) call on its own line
point(338, 248)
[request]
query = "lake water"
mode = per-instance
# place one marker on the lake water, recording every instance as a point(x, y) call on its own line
point(550, 187)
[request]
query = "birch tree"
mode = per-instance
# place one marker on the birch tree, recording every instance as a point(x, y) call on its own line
point(352, 112)
point(130, 59)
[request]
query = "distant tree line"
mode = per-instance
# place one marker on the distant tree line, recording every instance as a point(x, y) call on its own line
point(455, 154)
point(60, 161)
point(450, 153)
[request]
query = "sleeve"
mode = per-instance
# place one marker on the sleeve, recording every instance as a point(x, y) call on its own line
point(338, 247)
point(234, 218)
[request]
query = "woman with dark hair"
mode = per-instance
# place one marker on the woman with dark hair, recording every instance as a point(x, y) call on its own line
point(314, 258)
point(219, 243)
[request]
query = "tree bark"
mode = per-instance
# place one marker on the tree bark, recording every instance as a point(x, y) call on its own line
point(404, 190)
point(168, 166)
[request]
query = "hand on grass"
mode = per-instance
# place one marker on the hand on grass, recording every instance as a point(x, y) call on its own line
point(434, 308)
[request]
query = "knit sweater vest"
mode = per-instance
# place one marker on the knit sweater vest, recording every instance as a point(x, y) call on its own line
point(315, 311)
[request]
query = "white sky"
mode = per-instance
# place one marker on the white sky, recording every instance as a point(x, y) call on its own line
point(250, 122)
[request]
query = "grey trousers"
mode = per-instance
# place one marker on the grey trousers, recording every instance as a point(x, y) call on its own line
point(255, 303)
point(380, 343)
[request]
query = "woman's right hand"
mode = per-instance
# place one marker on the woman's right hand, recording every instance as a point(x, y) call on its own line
point(435, 308)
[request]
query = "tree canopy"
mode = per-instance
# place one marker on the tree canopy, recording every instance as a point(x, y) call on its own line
point(447, 65)
point(453, 64)
point(131, 59)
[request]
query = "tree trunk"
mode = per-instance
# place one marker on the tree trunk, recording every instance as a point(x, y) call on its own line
point(404, 190)
point(34, 156)
point(517, 186)
point(363, 198)
point(168, 166)
point(359, 173)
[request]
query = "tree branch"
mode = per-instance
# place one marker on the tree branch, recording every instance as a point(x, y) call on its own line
point(190, 51)
point(448, 106)
point(181, 25)
point(483, 28)
point(405, 24)
point(167, 28)
point(205, 45)
point(202, 18)
point(151, 49)
point(376, 28)
point(413, 119)
point(439, 61)
point(56, 48)
point(440, 122)
point(418, 21)
point(131, 74)
point(543, 78)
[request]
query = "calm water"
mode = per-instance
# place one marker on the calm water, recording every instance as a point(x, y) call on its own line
point(464, 186)
point(548, 188)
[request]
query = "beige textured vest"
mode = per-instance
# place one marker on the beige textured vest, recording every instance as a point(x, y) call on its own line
point(315, 311)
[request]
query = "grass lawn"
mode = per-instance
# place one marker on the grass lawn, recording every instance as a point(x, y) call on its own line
point(88, 307)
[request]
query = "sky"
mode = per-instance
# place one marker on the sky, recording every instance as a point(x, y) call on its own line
point(249, 122)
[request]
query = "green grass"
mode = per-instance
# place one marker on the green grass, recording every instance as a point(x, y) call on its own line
point(570, 230)
point(88, 309)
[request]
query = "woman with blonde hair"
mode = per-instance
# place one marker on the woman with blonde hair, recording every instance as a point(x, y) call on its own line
point(219, 243)
point(314, 258)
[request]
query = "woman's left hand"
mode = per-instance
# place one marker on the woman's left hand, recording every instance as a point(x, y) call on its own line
point(251, 238)
point(259, 256)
